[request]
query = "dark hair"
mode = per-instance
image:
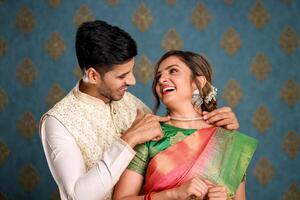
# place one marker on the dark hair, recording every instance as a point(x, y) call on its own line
point(100, 45)
point(199, 67)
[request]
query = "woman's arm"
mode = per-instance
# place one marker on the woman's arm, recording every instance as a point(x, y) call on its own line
point(129, 186)
point(241, 192)
point(131, 182)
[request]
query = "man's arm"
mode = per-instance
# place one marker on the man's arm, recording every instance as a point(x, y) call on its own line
point(67, 164)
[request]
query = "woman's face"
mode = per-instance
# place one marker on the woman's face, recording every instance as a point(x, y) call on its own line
point(174, 81)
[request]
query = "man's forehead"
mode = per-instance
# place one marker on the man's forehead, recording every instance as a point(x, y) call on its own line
point(124, 67)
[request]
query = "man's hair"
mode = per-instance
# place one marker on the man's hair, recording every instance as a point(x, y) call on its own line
point(101, 45)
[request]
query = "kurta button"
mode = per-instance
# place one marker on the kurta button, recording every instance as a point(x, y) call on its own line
point(114, 111)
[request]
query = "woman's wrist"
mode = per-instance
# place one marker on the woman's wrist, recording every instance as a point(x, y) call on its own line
point(173, 194)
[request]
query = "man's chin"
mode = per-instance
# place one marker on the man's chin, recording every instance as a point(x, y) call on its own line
point(118, 97)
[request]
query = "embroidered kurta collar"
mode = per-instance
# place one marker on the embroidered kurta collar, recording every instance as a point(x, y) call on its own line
point(87, 98)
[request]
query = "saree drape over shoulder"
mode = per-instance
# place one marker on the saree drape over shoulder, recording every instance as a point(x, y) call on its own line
point(212, 153)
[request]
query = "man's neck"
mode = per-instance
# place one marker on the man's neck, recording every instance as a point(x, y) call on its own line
point(89, 89)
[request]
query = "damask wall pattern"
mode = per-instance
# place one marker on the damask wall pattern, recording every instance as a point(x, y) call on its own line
point(253, 46)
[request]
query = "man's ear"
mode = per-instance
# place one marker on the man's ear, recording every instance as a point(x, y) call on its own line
point(200, 80)
point(92, 75)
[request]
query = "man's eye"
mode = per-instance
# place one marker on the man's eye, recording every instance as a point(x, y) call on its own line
point(122, 77)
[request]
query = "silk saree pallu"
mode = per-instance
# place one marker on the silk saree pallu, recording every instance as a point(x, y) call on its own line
point(215, 154)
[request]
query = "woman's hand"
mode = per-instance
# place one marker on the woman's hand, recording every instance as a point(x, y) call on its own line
point(217, 193)
point(195, 188)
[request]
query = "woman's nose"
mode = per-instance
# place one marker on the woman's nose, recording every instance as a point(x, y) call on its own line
point(163, 79)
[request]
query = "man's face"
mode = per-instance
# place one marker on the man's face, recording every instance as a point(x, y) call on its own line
point(114, 83)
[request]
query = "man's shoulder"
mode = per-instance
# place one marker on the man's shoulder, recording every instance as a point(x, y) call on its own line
point(65, 102)
point(129, 96)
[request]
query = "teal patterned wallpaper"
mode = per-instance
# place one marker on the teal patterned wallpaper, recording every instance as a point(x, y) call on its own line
point(253, 46)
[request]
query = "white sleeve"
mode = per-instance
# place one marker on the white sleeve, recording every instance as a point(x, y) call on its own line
point(67, 165)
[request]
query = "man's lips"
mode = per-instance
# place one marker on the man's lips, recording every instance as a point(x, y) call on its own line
point(124, 88)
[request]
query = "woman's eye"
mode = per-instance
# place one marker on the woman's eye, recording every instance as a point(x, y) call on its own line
point(173, 71)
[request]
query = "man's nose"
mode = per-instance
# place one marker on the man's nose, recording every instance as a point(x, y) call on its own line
point(131, 80)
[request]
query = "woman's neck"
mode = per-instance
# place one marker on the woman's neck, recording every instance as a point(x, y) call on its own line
point(184, 111)
point(187, 117)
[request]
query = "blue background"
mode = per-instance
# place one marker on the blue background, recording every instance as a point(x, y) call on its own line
point(25, 151)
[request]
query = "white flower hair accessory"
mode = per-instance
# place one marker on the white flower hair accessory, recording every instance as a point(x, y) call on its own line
point(211, 95)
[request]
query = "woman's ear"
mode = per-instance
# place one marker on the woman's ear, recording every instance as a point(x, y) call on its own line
point(201, 80)
point(92, 76)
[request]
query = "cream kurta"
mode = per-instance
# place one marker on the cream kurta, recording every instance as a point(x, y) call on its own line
point(80, 136)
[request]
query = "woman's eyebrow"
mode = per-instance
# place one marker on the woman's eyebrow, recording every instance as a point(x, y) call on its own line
point(159, 72)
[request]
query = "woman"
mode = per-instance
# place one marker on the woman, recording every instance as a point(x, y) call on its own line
point(194, 160)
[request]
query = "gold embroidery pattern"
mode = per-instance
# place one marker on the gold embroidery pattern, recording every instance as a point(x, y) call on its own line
point(3, 47)
point(142, 18)
point(201, 17)
point(29, 178)
point(290, 92)
point(54, 3)
point(55, 195)
point(262, 119)
point(259, 15)
point(172, 41)
point(232, 93)
point(27, 125)
point(261, 67)
point(25, 20)
point(291, 144)
point(77, 72)
point(231, 41)
point(2, 196)
point(55, 46)
point(144, 69)
point(55, 94)
point(177, 138)
point(229, 2)
point(84, 14)
point(264, 171)
point(293, 192)
point(3, 99)
point(26, 72)
point(4, 152)
point(171, 2)
point(112, 2)
point(289, 40)
point(288, 1)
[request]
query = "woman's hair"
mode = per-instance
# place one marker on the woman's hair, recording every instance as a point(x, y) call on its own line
point(199, 67)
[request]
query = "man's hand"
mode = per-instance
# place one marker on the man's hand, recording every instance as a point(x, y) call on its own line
point(144, 128)
point(222, 117)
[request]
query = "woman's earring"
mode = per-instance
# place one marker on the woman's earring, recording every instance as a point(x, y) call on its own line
point(197, 99)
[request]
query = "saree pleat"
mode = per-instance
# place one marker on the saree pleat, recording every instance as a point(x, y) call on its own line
point(214, 153)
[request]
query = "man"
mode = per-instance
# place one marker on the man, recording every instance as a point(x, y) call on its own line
point(88, 136)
